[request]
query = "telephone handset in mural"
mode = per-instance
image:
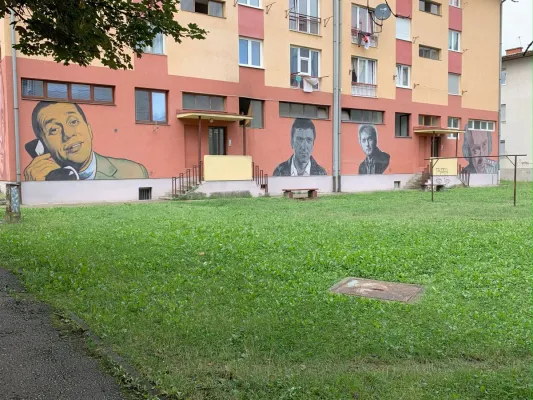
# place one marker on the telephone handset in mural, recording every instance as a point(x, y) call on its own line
point(37, 148)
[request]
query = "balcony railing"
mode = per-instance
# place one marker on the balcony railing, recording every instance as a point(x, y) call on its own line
point(364, 89)
point(304, 23)
point(358, 38)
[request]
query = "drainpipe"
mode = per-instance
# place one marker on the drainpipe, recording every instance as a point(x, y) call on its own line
point(15, 94)
point(500, 90)
point(336, 94)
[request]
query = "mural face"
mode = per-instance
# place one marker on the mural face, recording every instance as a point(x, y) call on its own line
point(63, 149)
point(478, 145)
point(301, 163)
point(376, 161)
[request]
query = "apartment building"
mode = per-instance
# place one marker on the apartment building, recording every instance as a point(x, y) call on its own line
point(516, 120)
point(261, 86)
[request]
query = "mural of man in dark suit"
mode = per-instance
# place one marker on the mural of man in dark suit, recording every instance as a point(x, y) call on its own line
point(376, 161)
point(301, 163)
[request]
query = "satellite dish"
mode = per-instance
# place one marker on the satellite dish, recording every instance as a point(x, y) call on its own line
point(382, 12)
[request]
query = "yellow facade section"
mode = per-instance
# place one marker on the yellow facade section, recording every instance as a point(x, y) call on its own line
point(384, 53)
point(227, 168)
point(217, 56)
point(480, 39)
point(444, 167)
point(278, 39)
point(429, 78)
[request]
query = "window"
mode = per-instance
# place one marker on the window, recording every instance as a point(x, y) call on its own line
point(481, 125)
point(429, 7)
point(503, 112)
point(429, 52)
point(75, 92)
point(303, 16)
point(252, 108)
point(403, 28)
point(403, 76)
point(298, 110)
point(401, 124)
point(362, 19)
point(363, 77)
point(453, 84)
point(252, 3)
point(158, 45)
point(150, 106)
point(503, 77)
point(304, 62)
point(362, 116)
point(428, 120)
point(213, 8)
point(453, 123)
point(454, 40)
point(250, 52)
point(455, 3)
point(203, 102)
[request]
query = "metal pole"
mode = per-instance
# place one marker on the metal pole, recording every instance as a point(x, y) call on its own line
point(336, 90)
point(500, 88)
point(432, 186)
point(15, 96)
point(199, 139)
point(515, 161)
point(244, 137)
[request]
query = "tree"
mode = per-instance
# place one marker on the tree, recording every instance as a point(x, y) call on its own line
point(79, 31)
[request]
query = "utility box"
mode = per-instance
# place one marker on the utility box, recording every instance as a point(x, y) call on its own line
point(13, 203)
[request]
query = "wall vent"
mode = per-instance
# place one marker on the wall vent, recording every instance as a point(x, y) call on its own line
point(145, 193)
point(396, 184)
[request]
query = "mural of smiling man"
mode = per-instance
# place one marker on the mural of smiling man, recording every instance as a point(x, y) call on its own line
point(478, 144)
point(63, 149)
point(376, 161)
point(301, 163)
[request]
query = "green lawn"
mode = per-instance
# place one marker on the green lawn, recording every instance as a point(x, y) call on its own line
point(228, 299)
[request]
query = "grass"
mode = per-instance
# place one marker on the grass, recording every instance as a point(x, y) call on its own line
point(228, 298)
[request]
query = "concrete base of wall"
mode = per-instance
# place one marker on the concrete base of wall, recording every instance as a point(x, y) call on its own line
point(211, 187)
point(370, 183)
point(276, 184)
point(72, 192)
point(522, 174)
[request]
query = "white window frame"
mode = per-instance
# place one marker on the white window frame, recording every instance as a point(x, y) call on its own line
point(454, 126)
point(247, 3)
point(482, 125)
point(296, 23)
point(309, 64)
point(369, 22)
point(503, 77)
point(398, 31)
point(458, 84)
point(249, 61)
point(503, 113)
point(368, 87)
point(455, 3)
point(148, 49)
point(400, 68)
point(451, 34)
point(437, 52)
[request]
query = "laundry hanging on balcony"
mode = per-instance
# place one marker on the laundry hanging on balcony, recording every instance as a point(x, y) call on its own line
point(309, 83)
point(366, 41)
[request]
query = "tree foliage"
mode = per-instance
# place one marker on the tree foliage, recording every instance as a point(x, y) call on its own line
point(80, 31)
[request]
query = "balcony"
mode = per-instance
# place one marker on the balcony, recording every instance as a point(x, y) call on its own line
point(304, 23)
point(364, 89)
point(303, 81)
point(359, 38)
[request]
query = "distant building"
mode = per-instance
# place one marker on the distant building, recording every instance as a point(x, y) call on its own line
point(516, 113)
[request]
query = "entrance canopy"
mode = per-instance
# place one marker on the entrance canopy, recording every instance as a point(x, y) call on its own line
point(213, 116)
point(429, 131)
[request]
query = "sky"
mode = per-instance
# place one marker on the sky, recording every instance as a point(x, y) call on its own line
point(517, 21)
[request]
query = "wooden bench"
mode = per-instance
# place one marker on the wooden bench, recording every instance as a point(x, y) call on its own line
point(311, 193)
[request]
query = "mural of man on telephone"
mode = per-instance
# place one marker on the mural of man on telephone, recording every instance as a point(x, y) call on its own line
point(63, 149)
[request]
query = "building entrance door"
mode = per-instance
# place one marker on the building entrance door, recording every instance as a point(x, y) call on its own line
point(217, 141)
point(435, 146)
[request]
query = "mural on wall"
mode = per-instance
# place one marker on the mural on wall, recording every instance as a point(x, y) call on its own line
point(63, 149)
point(301, 163)
point(478, 144)
point(376, 161)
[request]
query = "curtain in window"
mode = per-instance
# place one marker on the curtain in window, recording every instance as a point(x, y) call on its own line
point(157, 44)
point(214, 9)
point(142, 105)
point(187, 5)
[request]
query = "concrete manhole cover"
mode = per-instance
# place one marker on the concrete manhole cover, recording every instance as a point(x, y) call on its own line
point(391, 291)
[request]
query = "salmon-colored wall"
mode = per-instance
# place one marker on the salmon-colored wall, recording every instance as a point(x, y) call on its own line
point(456, 18)
point(404, 52)
point(455, 62)
point(404, 8)
point(251, 22)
